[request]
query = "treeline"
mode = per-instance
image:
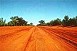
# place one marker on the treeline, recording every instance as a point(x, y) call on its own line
point(19, 21)
point(15, 21)
point(58, 22)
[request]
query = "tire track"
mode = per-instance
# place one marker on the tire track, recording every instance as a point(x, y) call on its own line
point(12, 34)
point(61, 36)
point(13, 39)
point(36, 39)
point(29, 39)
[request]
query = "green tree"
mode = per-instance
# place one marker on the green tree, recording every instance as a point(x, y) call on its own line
point(17, 21)
point(11, 23)
point(65, 21)
point(31, 24)
point(72, 22)
point(48, 24)
point(76, 20)
point(51, 22)
point(42, 22)
point(55, 22)
point(2, 22)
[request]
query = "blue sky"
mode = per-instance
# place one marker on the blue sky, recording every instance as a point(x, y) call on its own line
point(35, 10)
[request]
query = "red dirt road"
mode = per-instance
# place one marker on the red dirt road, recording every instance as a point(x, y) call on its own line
point(21, 38)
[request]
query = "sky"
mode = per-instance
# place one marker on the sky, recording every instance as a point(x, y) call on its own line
point(36, 10)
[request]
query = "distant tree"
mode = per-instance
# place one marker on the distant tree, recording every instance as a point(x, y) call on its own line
point(42, 22)
point(65, 21)
point(76, 20)
point(48, 23)
point(51, 22)
point(11, 23)
point(55, 22)
point(14, 21)
point(31, 24)
point(2, 22)
point(17, 21)
point(73, 21)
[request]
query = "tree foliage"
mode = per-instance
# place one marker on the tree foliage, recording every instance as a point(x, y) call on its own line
point(65, 21)
point(30, 24)
point(41, 23)
point(19, 21)
point(57, 22)
point(15, 21)
point(2, 22)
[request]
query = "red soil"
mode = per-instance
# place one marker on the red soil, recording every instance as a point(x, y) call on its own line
point(42, 38)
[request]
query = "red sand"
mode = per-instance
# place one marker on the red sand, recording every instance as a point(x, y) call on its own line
point(42, 38)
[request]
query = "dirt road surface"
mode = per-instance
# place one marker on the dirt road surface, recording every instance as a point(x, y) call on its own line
point(42, 38)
